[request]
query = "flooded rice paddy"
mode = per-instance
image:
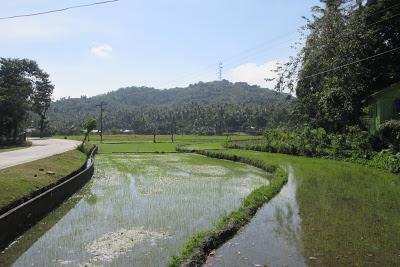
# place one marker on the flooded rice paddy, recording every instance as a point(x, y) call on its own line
point(330, 213)
point(138, 210)
point(273, 236)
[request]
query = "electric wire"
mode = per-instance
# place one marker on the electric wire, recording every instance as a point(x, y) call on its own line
point(57, 10)
point(349, 64)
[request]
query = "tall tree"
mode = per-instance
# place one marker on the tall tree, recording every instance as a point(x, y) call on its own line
point(329, 74)
point(42, 99)
point(22, 83)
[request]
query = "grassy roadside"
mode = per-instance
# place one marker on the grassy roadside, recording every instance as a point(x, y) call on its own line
point(15, 147)
point(196, 249)
point(22, 180)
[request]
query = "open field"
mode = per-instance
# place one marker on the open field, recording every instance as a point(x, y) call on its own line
point(144, 143)
point(22, 180)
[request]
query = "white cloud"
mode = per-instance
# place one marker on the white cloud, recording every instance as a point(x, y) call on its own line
point(255, 74)
point(103, 51)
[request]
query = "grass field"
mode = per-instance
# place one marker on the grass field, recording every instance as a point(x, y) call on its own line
point(22, 180)
point(144, 143)
point(161, 138)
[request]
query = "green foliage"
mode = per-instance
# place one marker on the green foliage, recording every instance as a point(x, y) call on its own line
point(353, 145)
point(23, 87)
point(211, 108)
point(89, 125)
point(342, 33)
point(390, 134)
point(386, 160)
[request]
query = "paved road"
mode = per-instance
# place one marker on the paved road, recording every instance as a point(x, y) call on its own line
point(39, 149)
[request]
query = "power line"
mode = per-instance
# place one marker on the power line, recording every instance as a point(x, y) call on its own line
point(240, 56)
point(256, 50)
point(57, 10)
point(351, 63)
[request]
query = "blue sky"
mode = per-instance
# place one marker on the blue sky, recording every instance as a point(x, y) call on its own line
point(158, 43)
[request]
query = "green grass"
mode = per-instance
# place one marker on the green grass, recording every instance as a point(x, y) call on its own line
point(19, 181)
point(136, 147)
point(197, 248)
point(144, 143)
point(15, 147)
point(160, 138)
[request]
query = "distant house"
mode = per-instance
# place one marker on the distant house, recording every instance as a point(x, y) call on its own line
point(383, 106)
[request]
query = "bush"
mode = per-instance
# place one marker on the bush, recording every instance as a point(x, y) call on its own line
point(358, 142)
point(389, 132)
point(386, 160)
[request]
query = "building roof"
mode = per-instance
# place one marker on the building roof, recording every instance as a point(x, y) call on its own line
point(382, 92)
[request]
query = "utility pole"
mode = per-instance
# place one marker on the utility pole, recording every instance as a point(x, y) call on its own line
point(220, 68)
point(101, 119)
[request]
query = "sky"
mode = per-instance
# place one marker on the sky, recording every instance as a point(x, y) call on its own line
point(156, 43)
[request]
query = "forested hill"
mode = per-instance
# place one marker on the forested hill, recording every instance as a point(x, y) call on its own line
point(142, 108)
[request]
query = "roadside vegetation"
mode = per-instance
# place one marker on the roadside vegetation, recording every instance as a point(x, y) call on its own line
point(25, 97)
point(23, 180)
point(196, 249)
point(350, 53)
point(15, 147)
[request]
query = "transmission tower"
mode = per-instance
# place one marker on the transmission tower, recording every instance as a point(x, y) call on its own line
point(220, 68)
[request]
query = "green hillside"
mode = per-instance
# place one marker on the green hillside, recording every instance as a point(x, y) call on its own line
point(204, 108)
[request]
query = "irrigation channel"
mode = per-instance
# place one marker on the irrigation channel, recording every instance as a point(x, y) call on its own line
point(139, 209)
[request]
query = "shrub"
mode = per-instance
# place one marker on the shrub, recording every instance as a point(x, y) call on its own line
point(358, 142)
point(390, 134)
point(386, 160)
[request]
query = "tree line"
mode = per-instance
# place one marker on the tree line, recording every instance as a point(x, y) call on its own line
point(190, 118)
point(25, 91)
point(203, 108)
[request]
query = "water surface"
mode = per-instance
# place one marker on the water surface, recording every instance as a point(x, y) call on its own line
point(138, 210)
point(330, 213)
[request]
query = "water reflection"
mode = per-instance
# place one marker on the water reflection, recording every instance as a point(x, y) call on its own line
point(137, 210)
point(273, 237)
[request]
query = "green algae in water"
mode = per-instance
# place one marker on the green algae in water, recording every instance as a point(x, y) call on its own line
point(138, 210)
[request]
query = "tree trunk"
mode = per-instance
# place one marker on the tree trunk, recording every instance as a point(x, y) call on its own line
point(154, 136)
point(84, 139)
point(172, 135)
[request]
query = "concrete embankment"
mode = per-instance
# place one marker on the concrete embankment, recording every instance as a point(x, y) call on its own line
point(21, 215)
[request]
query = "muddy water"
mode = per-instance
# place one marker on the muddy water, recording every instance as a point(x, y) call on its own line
point(138, 210)
point(273, 236)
